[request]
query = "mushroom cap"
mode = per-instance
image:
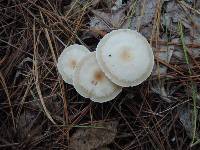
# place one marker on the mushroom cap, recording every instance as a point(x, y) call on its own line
point(125, 56)
point(68, 60)
point(90, 82)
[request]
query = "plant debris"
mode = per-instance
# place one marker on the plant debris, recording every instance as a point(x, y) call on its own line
point(95, 136)
point(39, 111)
point(185, 114)
point(107, 21)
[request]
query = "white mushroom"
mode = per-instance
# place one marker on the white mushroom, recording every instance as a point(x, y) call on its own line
point(68, 59)
point(126, 57)
point(90, 82)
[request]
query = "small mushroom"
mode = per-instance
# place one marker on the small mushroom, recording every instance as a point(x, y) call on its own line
point(125, 56)
point(68, 60)
point(90, 82)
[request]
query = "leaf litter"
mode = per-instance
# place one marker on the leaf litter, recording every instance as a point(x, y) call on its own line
point(94, 137)
point(165, 94)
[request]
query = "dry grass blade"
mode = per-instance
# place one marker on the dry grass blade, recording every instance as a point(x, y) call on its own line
point(37, 76)
point(23, 99)
point(49, 41)
point(190, 7)
point(193, 85)
point(169, 66)
point(8, 98)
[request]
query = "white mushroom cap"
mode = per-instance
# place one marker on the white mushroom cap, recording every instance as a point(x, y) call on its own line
point(125, 56)
point(90, 82)
point(68, 59)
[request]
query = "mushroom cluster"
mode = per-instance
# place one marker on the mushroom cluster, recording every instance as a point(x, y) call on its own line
point(123, 58)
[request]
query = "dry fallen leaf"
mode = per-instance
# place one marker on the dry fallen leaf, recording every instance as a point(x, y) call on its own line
point(179, 11)
point(165, 53)
point(25, 125)
point(185, 115)
point(97, 24)
point(143, 17)
point(103, 148)
point(100, 134)
point(77, 5)
point(113, 4)
point(178, 53)
point(107, 21)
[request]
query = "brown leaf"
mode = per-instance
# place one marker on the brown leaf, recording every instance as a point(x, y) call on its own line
point(185, 115)
point(25, 126)
point(178, 53)
point(101, 134)
point(143, 17)
point(107, 21)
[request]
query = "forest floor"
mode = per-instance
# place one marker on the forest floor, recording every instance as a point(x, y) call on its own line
point(39, 111)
